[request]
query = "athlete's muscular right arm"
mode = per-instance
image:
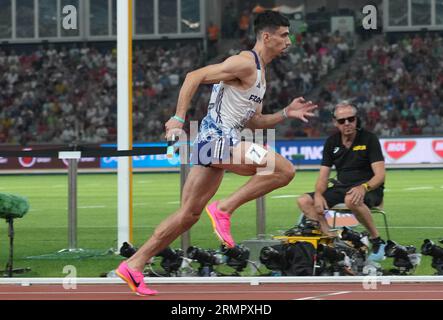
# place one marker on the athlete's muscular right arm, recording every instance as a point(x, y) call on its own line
point(237, 68)
point(320, 203)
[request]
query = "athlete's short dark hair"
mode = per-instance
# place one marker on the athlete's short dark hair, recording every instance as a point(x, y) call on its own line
point(270, 20)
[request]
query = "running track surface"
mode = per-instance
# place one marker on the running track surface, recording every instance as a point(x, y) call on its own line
point(274, 291)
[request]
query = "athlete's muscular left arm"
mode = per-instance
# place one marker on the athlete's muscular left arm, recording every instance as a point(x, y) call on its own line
point(297, 109)
point(236, 68)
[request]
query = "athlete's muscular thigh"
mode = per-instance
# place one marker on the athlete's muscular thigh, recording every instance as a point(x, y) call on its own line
point(248, 159)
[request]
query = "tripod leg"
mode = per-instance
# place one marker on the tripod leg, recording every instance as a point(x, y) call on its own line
point(11, 246)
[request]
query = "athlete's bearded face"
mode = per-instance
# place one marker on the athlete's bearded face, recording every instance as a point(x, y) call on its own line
point(277, 41)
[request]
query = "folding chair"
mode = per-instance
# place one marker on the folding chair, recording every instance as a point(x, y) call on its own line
point(342, 208)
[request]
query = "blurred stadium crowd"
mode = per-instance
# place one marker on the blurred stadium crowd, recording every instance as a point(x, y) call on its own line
point(397, 87)
point(69, 94)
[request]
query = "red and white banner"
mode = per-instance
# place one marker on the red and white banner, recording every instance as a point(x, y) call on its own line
point(413, 150)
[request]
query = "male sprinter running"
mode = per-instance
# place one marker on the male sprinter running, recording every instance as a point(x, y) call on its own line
point(236, 102)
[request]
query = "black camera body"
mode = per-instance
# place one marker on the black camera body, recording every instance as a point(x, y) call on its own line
point(204, 257)
point(330, 260)
point(290, 259)
point(273, 257)
point(236, 257)
point(127, 250)
point(172, 259)
point(429, 248)
point(405, 257)
point(207, 259)
point(358, 240)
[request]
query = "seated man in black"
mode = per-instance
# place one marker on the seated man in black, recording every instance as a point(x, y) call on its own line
point(358, 159)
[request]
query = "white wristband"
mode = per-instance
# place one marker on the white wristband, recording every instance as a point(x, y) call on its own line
point(285, 115)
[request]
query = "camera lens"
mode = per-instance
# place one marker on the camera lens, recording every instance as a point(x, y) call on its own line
point(172, 259)
point(239, 252)
point(330, 254)
point(427, 247)
point(127, 250)
point(354, 237)
point(272, 258)
point(202, 256)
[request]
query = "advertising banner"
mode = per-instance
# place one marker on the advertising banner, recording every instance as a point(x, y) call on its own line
point(301, 151)
point(413, 150)
point(30, 163)
point(402, 151)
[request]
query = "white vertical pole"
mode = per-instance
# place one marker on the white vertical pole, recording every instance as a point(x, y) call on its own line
point(124, 114)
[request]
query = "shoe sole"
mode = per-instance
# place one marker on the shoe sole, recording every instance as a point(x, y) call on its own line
point(215, 229)
point(133, 287)
point(146, 294)
point(128, 281)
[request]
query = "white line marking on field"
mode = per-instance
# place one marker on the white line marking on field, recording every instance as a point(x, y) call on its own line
point(173, 202)
point(324, 295)
point(144, 181)
point(140, 204)
point(36, 187)
point(91, 207)
point(405, 227)
point(286, 196)
point(418, 188)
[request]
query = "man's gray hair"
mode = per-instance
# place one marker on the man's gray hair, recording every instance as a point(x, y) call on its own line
point(344, 103)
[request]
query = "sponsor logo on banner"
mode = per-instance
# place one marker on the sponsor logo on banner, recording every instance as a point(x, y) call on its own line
point(437, 146)
point(398, 149)
point(27, 162)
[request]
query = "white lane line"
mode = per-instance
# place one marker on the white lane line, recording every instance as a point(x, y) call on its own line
point(33, 187)
point(324, 295)
point(320, 293)
point(91, 207)
point(248, 292)
point(418, 188)
point(61, 292)
point(286, 196)
point(157, 286)
point(403, 227)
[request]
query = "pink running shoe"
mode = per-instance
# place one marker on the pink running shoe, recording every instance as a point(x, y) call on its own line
point(134, 279)
point(221, 222)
